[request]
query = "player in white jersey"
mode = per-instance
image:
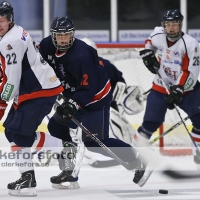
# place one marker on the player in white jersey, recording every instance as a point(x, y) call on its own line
point(177, 68)
point(32, 85)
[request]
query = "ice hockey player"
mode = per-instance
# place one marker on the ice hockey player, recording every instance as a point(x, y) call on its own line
point(88, 96)
point(125, 100)
point(32, 85)
point(177, 66)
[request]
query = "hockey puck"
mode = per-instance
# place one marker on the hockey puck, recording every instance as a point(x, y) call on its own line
point(163, 191)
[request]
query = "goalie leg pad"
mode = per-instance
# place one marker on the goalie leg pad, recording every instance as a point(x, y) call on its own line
point(120, 127)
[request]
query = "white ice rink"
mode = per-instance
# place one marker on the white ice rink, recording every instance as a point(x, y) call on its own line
point(113, 183)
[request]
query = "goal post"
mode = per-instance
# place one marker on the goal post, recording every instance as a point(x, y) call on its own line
point(126, 58)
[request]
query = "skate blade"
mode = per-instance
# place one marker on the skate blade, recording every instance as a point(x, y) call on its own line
point(72, 186)
point(146, 175)
point(31, 192)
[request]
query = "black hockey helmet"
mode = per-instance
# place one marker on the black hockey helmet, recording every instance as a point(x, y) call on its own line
point(172, 16)
point(62, 25)
point(7, 10)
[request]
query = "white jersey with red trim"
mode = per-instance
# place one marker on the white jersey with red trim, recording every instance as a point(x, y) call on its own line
point(179, 63)
point(25, 74)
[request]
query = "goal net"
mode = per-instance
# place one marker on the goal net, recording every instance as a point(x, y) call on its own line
point(126, 58)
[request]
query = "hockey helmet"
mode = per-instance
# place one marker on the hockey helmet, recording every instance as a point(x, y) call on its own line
point(62, 25)
point(173, 16)
point(7, 10)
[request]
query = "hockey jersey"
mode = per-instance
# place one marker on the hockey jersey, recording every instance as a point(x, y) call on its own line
point(113, 73)
point(82, 77)
point(25, 74)
point(179, 63)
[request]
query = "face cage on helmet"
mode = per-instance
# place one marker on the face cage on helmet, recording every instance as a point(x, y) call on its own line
point(59, 47)
point(175, 35)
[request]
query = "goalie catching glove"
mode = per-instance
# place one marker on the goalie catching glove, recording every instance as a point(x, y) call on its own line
point(67, 109)
point(150, 60)
point(175, 96)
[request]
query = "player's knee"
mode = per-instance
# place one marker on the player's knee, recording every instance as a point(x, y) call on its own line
point(22, 140)
point(58, 130)
point(195, 122)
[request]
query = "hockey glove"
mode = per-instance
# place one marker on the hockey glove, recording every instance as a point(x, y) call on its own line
point(3, 106)
point(67, 109)
point(150, 60)
point(175, 96)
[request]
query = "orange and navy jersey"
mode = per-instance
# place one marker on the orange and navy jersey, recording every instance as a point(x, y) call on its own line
point(80, 73)
point(25, 74)
point(179, 61)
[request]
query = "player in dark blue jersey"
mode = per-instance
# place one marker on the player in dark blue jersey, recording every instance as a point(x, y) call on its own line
point(87, 97)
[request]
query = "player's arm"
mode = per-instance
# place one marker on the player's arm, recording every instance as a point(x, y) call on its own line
point(148, 54)
point(86, 75)
point(190, 66)
point(189, 74)
point(43, 49)
point(11, 60)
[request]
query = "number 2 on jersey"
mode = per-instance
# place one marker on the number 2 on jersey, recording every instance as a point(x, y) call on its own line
point(84, 80)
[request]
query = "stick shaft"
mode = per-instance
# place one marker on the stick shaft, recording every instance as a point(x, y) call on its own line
point(169, 130)
point(128, 166)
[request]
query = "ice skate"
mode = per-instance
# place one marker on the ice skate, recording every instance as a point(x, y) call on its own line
point(67, 164)
point(27, 181)
point(63, 177)
point(143, 173)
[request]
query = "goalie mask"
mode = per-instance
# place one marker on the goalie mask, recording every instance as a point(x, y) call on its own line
point(62, 33)
point(172, 24)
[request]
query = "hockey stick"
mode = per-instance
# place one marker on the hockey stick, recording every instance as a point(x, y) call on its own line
point(167, 131)
point(147, 91)
point(177, 110)
point(128, 166)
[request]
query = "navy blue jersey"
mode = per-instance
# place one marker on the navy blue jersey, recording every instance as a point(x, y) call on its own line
point(78, 69)
point(113, 73)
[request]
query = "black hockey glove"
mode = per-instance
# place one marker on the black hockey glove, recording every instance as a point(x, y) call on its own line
point(150, 60)
point(175, 96)
point(67, 108)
